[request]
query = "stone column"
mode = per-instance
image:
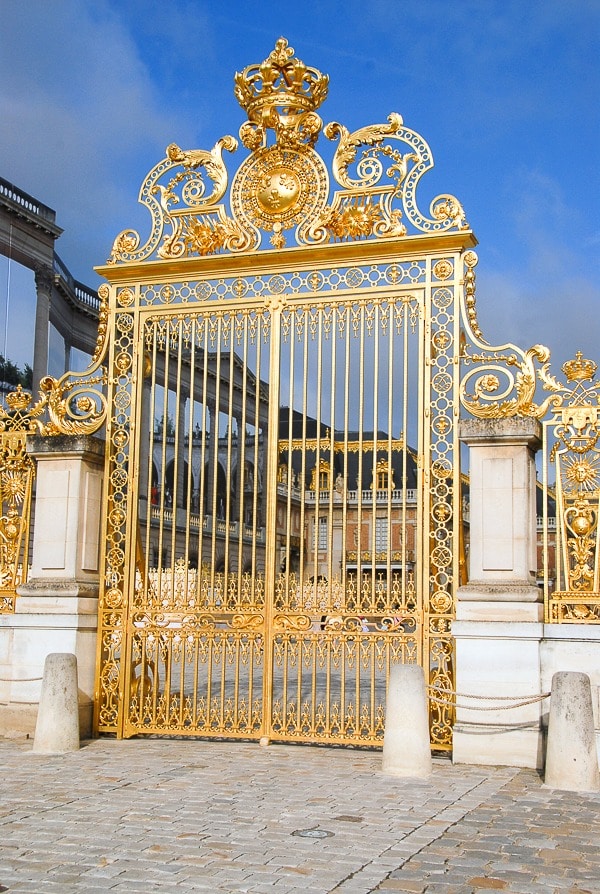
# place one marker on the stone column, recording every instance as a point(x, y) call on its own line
point(213, 451)
point(238, 484)
point(44, 283)
point(180, 496)
point(499, 617)
point(57, 609)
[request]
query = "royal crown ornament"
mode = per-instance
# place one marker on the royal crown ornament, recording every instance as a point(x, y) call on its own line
point(280, 94)
point(579, 369)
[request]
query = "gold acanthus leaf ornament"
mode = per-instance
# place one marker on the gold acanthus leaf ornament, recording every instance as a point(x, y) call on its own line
point(369, 168)
point(482, 403)
point(211, 161)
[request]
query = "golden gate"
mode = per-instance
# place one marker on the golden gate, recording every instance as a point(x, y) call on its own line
point(283, 492)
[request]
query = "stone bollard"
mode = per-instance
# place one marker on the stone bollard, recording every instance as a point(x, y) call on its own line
point(406, 748)
point(571, 759)
point(57, 727)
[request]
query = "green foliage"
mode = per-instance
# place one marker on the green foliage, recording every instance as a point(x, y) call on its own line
point(10, 374)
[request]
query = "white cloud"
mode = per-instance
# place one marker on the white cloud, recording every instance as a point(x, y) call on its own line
point(81, 118)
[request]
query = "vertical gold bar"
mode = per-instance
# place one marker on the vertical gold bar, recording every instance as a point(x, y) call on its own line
point(345, 507)
point(241, 449)
point(190, 453)
point(274, 320)
point(214, 451)
point(332, 423)
point(163, 458)
point(176, 496)
point(361, 415)
point(263, 319)
point(318, 454)
point(308, 547)
point(391, 493)
point(228, 507)
point(405, 373)
point(203, 483)
point(374, 495)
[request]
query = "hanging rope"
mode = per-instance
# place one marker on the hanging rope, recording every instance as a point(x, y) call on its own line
point(21, 680)
point(514, 703)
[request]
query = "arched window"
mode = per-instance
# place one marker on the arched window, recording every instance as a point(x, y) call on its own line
point(383, 478)
point(324, 479)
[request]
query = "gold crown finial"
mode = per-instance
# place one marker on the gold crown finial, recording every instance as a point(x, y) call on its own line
point(281, 88)
point(19, 399)
point(579, 369)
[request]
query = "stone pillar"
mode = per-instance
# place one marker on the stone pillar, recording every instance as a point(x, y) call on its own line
point(44, 283)
point(180, 496)
point(239, 483)
point(213, 453)
point(57, 609)
point(499, 618)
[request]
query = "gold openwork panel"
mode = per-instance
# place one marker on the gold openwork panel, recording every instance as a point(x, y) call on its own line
point(571, 498)
point(16, 481)
point(282, 528)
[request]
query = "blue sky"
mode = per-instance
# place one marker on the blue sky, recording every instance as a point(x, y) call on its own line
point(505, 93)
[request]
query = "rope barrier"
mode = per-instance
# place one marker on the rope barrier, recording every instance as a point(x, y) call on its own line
point(515, 703)
point(20, 680)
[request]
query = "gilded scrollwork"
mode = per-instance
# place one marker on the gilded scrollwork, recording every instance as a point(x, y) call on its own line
point(67, 406)
point(284, 183)
point(369, 167)
point(489, 398)
point(74, 407)
point(17, 471)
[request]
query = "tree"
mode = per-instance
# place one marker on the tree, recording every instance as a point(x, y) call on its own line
point(10, 374)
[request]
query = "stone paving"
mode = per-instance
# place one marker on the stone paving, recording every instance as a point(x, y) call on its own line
point(176, 816)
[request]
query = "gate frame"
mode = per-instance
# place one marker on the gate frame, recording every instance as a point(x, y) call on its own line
point(451, 251)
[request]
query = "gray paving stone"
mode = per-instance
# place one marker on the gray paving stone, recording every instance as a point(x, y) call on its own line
point(192, 816)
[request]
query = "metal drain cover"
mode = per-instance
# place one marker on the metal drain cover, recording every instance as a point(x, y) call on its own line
point(313, 833)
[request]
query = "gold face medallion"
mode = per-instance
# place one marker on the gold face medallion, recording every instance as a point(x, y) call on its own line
point(278, 188)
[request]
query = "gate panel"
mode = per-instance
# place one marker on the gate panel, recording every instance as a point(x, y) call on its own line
point(347, 608)
point(196, 630)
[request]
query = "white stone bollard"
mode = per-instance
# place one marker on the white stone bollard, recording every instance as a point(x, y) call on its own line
point(571, 758)
point(57, 727)
point(406, 748)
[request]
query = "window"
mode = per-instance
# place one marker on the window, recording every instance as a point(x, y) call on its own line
point(322, 533)
point(383, 479)
point(381, 534)
point(324, 476)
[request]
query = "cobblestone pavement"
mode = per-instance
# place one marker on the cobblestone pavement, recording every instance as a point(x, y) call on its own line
point(187, 815)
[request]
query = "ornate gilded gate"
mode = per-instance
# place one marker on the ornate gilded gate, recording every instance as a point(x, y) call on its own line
point(283, 488)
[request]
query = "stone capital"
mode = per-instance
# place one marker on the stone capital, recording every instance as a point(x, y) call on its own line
point(517, 430)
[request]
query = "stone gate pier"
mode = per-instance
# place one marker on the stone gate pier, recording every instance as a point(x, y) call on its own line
point(505, 652)
point(57, 609)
